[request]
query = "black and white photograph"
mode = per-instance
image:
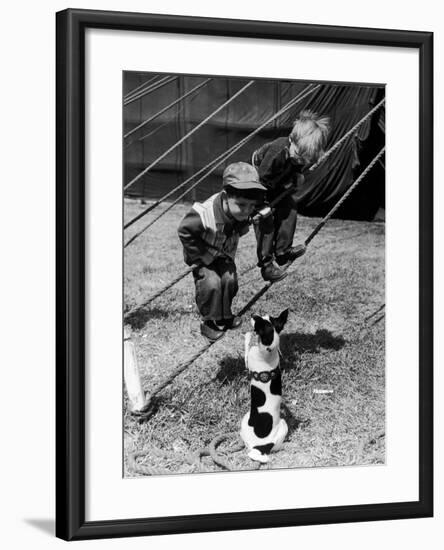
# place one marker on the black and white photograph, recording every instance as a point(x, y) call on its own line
point(222, 236)
point(253, 274)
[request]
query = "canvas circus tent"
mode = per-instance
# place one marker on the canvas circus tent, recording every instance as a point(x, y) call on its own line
point(344, 104)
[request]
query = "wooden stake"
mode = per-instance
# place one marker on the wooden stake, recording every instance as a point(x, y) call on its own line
point(131, 374)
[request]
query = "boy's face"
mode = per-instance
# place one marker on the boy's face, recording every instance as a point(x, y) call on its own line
point(241, 209)
point(295, 154)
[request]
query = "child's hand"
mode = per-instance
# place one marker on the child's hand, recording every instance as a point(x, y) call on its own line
point(300, 178)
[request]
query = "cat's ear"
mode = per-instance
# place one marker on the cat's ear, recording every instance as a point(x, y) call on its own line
point(279, 322)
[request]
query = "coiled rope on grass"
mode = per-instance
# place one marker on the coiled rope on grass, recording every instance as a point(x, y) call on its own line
point(193, 459)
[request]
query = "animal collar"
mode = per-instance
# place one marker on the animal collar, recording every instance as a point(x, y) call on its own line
point(264, 376)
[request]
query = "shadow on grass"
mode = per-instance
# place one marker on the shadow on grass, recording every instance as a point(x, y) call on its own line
point(296, 343)
point(292, 345)
point(293, 423)
point(231, 368)
point(138, 318)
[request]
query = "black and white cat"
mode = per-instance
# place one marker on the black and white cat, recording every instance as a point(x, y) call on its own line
point(262, 429)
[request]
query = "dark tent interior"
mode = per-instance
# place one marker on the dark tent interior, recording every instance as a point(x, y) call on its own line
point(152, 126)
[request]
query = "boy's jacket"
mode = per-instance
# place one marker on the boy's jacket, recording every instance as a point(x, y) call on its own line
point(208, 232)
point(275, 166)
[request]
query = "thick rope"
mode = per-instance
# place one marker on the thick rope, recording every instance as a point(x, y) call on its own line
point(145, 470)
point(193, 459)
point(273, 203)
point(167, 287)
point(149, 89)
point(178, 100)
point(224, 156)
point(238, 146)
point(215, 163)
point(145, 88)
point(157, 129)
point(151, 83)
point(343, 198)
point(180, 197)
point(149, 407)
point(307, 241)
point(189, 134)
point(158, 293)
point(217, 459)
point(156, 86)
point(378, 319)
point(138, 88)
point(345, 136)
point(375, 312)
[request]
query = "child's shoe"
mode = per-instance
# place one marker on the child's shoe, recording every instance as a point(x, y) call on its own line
point(233, 323)
point(272, 273)
point(211, 330)
point(291, 255)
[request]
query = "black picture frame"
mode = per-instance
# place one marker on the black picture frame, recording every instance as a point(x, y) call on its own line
point(70, 275)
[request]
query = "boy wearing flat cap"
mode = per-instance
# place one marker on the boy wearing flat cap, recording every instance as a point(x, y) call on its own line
point(210, 233)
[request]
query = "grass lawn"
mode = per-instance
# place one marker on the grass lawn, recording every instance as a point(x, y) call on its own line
point(334, 340)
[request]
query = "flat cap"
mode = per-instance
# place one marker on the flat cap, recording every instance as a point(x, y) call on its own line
point(242, 175)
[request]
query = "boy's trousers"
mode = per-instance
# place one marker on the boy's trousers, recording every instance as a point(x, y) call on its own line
point(216, 286)
point(274, 234)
